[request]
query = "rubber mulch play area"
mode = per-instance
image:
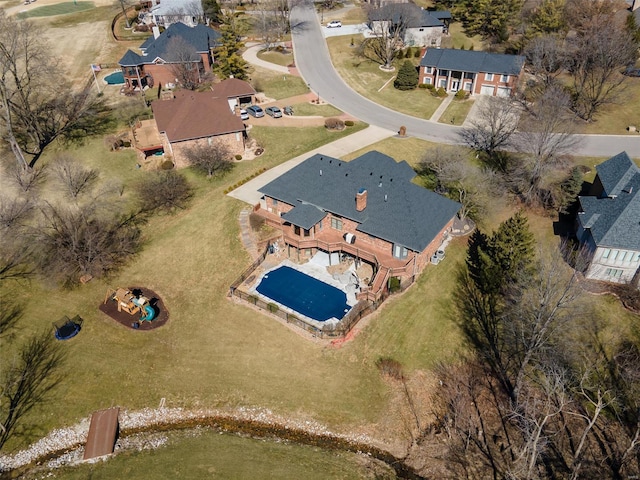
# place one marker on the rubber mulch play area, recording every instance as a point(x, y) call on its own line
point(133, 321)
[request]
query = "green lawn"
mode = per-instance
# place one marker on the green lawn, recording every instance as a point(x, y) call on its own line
point(614, 119)
point(308, 109)
point(57, 9)
point(275, 85)
point(366, 78)
point(459, 39)
point(456, 112)
point(283, 59)
point(208, 454)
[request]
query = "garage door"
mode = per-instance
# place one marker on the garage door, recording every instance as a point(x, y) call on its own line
point(486, 90)
point(504, 92)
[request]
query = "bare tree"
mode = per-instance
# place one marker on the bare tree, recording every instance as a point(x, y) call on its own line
point(184, 62)
point(34, 112)
point(78, 241)
point(459, 178)
point(73, 177)
point(29, 179)
point(546, 57)
point(28, 380)
point(211, 158)
point(493, 128)
point(14, 211)
point(597, 56)
point(389, 24)
point(163, 191)
point(547, 135)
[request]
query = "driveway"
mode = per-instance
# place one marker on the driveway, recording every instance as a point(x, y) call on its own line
point(359, 29)
point(314, 64)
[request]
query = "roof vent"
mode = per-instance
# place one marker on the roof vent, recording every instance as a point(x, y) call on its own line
point(320, 172)
point(380, 185)
point(329, 160)
point(385, 197)
point(346, 174)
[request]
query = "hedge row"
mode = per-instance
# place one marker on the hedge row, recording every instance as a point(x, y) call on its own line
point(244, 180)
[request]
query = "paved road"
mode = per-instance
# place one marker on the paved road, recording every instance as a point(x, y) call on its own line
point(314, 64)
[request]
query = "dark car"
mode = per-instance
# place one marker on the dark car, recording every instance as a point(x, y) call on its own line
point(255, 111)
point(288, 110)
point(632, 72)
point(275, 112)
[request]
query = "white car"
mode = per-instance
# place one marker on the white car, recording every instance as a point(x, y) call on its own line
point(334, 24)
point(244, 115)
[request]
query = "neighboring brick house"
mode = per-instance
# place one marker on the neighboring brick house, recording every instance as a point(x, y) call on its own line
point(421, 27)
point(190, 118)
point(367, 208)
point(479, 73)
point(608, 225)
point(160, 53)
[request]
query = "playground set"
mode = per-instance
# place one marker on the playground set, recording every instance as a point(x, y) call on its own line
point(132, 302)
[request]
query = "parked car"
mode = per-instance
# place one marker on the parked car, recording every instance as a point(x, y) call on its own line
point(275, 112)
point(334, 24)
point(288, 110)
point(255, 111)
point(244, 115)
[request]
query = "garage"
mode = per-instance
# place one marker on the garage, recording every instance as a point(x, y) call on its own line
point(487, 90)
point(504, 92)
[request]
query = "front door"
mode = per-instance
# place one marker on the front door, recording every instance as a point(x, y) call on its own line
point(455, 85)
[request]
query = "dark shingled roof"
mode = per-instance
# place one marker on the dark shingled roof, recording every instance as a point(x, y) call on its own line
point(615, 222)
point(304, 215)
point(200, 37)
point(130, 59)
point(397, 210)
point(190, 115)
point(471, 61)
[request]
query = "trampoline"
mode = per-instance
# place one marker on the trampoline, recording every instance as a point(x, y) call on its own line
point(66, 328)
point(304, 294)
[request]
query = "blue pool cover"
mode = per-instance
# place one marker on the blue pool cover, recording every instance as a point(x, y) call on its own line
point(116, 78)
point(304, 294)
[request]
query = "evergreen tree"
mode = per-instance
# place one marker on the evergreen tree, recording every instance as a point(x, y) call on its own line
point(407, 78)
point(511, 249)
point(487, 18)
point(211, 9)
point(228, 60)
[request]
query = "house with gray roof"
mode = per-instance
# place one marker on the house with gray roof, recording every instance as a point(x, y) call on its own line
point(367, 208)
point(419, 27)
point(177, 45)
point(608, 225)
point(479, 73)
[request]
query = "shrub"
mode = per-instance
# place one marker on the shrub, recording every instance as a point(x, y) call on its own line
point(334, 123)
point(417, 53)
point(407, 78)
point(431, 86)
point(238, 157)
point(389, 366)
point(165, 191)
point(400, 54)
point(166, 164)
point(424, 85)
point(461, 95)
point(441, 92)
point(349, 123)
point(273, 308)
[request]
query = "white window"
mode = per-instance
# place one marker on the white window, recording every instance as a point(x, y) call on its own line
point(467, 86)
point(443, 82)
point(428, 80)
point(399, 251)
point(504, 78)
point(606, 252)
point(336, 223)
point(320, 225)
point(614, 254)
point(428, 70)
point(622, 256)
point(612, 272)
point(444, 73)
point(488, 76)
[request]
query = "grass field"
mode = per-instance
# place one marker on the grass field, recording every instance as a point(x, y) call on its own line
point(456, 112)
point(57, 9)
point(283, 59)
point(276, 85)
point(206, 453)
point(306, 108)
point(366, 78)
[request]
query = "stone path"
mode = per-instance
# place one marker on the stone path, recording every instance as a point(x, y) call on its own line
point(246, 235)
point(441, 108)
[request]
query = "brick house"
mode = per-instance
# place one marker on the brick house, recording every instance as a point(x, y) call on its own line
point(608, 225)
point(190, 118)
point(479, 73)
point(420, 27)
point(367, 208)
point(159, 54)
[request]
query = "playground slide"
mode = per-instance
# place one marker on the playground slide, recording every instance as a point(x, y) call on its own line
point(149, 314)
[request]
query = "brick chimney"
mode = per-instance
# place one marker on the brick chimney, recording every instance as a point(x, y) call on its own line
point(361, 200)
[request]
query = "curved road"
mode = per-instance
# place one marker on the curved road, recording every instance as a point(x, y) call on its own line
point(314, 64)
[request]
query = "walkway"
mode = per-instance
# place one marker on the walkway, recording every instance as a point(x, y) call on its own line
point(246, 235)
point(249, 191)
point(251, 56)
point(446, 101)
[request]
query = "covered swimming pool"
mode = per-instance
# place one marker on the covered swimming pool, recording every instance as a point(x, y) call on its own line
point(115, 78)
point(304, 294)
